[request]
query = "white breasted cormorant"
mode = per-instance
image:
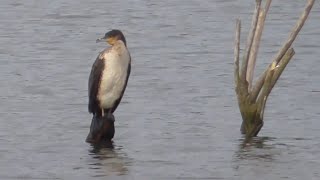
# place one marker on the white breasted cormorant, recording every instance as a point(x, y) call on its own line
point(107, 83)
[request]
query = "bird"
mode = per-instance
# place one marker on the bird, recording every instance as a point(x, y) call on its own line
point(107, 83)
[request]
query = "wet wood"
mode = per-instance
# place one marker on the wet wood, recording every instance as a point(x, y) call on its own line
point(255, 47)
point(252, 98)
point(237, 52)
point(101, 130)
point(250, 40)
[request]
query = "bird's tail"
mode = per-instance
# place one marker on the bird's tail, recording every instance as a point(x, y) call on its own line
point(101, 129)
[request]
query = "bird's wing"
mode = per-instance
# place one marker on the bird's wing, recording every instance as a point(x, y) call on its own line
point(93, 85)
point(124, 88)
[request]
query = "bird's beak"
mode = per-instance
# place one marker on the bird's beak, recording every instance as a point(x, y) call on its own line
point(103, 39)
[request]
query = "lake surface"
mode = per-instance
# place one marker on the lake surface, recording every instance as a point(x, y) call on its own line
point(179, 118)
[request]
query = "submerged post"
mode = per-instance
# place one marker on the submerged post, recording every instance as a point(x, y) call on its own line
point(252, 98)
point(104, 132)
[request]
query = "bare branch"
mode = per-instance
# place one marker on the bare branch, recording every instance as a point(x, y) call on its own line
point(267, 83)
point(263, 105)
point(259, 84)
point(249, 41)
point(276, 72)
point(257, 88)
point(295, 31)
point(255, 48)
point(281, 66)
point(237, 52)
point(255, 45)
point(267, 6)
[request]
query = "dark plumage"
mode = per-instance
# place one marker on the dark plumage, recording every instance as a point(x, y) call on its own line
point(94, 82)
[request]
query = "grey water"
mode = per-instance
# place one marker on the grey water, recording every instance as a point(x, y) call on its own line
point(179, 117)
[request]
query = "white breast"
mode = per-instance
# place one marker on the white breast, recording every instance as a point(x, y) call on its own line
point(114, 74)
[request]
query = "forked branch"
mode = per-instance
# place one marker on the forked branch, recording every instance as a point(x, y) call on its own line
point(250, 40)
point(252, 98)
point(294, 32)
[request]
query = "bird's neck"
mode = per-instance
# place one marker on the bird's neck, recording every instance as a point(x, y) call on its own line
point(119, 43)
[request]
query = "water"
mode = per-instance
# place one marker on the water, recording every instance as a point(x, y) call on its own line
point(179, 117)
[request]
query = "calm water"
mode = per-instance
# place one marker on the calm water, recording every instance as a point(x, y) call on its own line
point(179, 117)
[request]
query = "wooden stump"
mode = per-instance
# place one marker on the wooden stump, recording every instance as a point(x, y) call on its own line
point(101, 129)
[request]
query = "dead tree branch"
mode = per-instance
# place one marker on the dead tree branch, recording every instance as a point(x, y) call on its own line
point(252, 98)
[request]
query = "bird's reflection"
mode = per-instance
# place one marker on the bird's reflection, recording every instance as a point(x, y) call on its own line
point(108, 159)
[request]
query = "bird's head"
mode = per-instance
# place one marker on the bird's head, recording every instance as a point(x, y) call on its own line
point(112, 37)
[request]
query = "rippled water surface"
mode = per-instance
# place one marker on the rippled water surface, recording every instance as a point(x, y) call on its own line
point(179, 117)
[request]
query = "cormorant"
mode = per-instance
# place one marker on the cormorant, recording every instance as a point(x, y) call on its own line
point(107, 83)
